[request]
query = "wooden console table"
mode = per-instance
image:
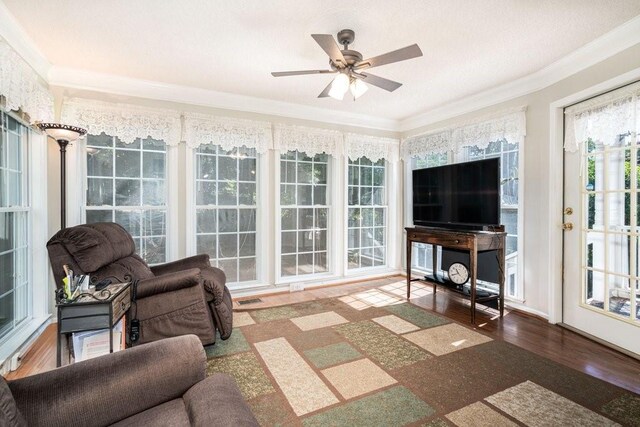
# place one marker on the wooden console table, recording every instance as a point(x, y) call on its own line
point(472, 241)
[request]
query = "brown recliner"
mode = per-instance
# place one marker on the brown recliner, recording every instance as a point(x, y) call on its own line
point(177, 298)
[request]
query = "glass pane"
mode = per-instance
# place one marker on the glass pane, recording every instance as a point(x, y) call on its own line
point(247, 220)
point(319, 173)
point(595, 211)
point(130, 145)
point(288, 265)
point(353, 238)
point(305, 241)
point(101, 140)
point(321, 217)
point(153, 144)
point(247, 244)
point(153, 193)
point(99, 216)
point(8, 222)
point(206, 167)
point(6, 308)
point(595, 250)
point(354, 196)
point(366, 176)
point(595, 288)
point(228, 193)
point(128, 192)
point(99, 192)
point(320, 195)
point(247, 193)
point(320, 240)
point(230, 268)
point(305, 219)
point(287, 194)
point(247, 169)
point(207, 244)
point(321, 264)
point(205, 193)
point(305, 264)
point(366, 257)
point(127, 164)
point(378, 177)
point(289, 219)
point(99, 162)
point(247, 269)
point(227, 168)
point(154, 249)
point(304, 172)
point(154, 222)
point(305, 195)
point(206, 220)
point(153, 165)
point(353, 258)
point(288, 172)
point(354, 175)
point(131, 221)
point(288, 243)
point(227, 220)
point(619, 295)
point(227, 245)
point(6, 272)
point(354, 217)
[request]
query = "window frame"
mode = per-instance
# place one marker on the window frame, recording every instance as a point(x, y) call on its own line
point(330, 233)
point(170, 190)
point(387, 222)
point(192, 222)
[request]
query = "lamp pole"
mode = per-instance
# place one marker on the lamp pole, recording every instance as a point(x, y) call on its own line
point(63, 182)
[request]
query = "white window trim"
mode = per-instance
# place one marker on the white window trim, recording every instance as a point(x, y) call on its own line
point(77, 194)
point(38, 235)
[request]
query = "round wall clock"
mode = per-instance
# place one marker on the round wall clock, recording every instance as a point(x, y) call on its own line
point(458, 273)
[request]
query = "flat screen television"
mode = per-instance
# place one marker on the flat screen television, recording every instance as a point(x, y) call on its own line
point(462, 195)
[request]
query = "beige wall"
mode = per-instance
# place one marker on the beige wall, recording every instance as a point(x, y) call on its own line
point(535, 151)
point(536, 164)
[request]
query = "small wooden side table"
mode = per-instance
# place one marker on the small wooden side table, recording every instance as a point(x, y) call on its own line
point(103, 311)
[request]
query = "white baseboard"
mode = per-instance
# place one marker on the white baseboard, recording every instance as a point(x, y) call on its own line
point(521, 307)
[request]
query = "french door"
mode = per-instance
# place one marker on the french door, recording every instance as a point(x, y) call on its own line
point(601, 234)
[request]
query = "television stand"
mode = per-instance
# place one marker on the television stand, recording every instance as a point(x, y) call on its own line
point(469, 240)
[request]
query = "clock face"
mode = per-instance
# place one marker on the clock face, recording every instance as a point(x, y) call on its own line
point(458, 273)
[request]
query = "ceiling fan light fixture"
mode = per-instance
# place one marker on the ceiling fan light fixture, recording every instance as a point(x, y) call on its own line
point(339, 87)
point(358, 88)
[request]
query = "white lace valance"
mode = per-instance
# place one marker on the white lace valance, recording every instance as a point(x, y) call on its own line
point(309, 140)
point(125, 121)
point(22, 88)
point(228, 133)
point(480, 133)
point(372, 147)
point(604, 118)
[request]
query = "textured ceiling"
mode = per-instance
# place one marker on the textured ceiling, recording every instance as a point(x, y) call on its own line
point(232, 46)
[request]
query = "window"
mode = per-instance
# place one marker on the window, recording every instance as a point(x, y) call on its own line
point(508, 154)
point(422, 254)
point(304, 213)
point(126, 183)
point(226, 209)
point(366, 225)
point(509, 165)
point(15, 286)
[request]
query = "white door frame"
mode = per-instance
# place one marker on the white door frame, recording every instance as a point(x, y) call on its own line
point(556, 183)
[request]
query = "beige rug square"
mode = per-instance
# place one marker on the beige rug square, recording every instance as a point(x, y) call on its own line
point(395, 324)
point(356, 378)
point(320, 320)
point(479, 415)
point(446, 338)
point(242, 318)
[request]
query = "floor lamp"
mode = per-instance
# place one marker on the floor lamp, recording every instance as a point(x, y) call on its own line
point(63, 135)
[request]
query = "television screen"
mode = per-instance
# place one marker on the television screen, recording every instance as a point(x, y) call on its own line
point(463, 194)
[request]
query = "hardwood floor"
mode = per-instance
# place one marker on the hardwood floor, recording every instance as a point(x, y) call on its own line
point(528, 332)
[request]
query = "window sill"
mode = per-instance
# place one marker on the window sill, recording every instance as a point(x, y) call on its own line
point(20, 337)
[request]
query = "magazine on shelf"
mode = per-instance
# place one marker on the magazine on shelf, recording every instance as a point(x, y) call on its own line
point(90, 344)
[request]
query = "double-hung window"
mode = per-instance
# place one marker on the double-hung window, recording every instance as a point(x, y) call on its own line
point(304, 213)
point(127, 184)
point(226, 209)
point(15, 285)
point(367, 212)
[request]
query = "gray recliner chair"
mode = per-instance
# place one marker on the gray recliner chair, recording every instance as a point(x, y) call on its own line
point(162, 383)
point(188, 296)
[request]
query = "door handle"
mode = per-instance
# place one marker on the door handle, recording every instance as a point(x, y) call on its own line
point(568, 226)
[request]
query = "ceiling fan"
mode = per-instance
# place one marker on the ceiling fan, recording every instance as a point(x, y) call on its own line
point(349, 65)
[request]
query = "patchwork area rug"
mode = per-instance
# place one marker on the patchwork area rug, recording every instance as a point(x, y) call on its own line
point(373, 359)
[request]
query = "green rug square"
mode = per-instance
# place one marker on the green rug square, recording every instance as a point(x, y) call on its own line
point(416, 315)
point(333, 354)
point(393, 407)
point(236, 343)
point(245, 370)
point(276, 313)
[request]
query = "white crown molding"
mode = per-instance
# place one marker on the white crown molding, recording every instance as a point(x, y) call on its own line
point(12, 32)
point(605, 46)
point(118, 85)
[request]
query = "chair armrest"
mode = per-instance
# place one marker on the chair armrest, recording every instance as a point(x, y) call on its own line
point(221, 392)
point(110, 388)
point(169, 282)
point(197, 261)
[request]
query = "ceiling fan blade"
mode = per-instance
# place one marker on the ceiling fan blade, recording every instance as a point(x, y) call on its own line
point(329, 45)
point(325, 92)
point(300, 73)
point(403, 54)
point(381, 82)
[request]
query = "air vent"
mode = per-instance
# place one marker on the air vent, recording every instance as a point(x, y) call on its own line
point(249, 301)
